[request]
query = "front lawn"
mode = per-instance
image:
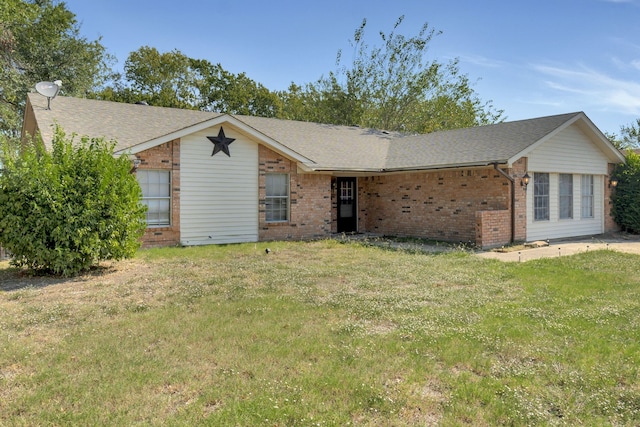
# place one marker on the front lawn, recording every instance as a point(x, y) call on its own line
point(323, 333)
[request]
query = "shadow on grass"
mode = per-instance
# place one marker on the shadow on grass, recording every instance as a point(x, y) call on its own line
point(14, 279)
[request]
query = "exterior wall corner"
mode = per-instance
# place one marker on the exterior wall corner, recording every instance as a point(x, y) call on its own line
point(610, 224)
point(164, 157)
point(309, 201)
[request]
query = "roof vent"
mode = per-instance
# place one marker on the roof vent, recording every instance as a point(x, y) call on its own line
point(141, 103)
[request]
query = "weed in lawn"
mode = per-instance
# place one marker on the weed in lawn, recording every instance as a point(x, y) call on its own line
point(324, 333)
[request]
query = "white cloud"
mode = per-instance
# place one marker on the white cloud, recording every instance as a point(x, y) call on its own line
point(625, 66)
point(592, 88)
point(482, 61)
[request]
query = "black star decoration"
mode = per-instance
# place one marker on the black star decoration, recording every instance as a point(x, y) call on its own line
point(221, 143)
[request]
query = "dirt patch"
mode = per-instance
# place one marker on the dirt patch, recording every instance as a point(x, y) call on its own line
point(13, 279)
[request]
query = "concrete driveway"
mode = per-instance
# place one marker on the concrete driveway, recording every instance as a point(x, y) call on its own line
point(615, 242)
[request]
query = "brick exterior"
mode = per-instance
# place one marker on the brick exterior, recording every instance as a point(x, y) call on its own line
point(458, 205)
point(493, 228)
point(609, 223)
point(519, 168)
point(439, 205)
point(164, 157)
point(309, 201)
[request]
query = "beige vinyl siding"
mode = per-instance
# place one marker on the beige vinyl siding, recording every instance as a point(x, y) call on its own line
point(218, 194)
point(569, 152)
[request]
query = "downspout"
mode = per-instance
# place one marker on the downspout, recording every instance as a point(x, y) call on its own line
point(513, 200)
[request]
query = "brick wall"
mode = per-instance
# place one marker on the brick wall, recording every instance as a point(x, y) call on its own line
point(517, 172)
point(439, 205)
point(609, 223)
point(458, 205)
point(493, 228)
point(310, 201)
point(164, 157)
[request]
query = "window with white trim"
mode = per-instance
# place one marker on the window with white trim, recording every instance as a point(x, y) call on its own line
point(277, 197)
point(541, 196)
point(565, 195)
point(587, 196)
point(156, 194)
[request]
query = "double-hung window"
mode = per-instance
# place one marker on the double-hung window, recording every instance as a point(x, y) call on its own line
point(156, 194)
point(541, 196)
point(277, 197)
point(587, 196)
point(566, 196)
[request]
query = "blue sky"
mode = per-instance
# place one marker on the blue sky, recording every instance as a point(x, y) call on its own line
point(530, 58)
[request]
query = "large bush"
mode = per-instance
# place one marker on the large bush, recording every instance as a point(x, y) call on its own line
point(64, 210)
point(626, 196)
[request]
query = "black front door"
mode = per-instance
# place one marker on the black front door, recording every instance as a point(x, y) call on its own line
point(347, 213)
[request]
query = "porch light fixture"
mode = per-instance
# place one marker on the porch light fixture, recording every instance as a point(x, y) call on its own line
point(613, 183)
point(136, 163)
point(525, 180)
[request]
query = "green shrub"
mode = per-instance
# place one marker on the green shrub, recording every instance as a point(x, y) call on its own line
point(64, 210)
point(626, 196)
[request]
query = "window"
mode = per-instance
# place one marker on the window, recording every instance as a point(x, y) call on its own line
point(587, 196)
point(277, 197)
point(156, 194)
point(566, 196)
point(541, 196)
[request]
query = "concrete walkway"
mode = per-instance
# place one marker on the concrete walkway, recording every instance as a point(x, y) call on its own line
point(614, 242)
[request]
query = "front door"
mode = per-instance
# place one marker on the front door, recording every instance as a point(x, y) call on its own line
point(347, 206)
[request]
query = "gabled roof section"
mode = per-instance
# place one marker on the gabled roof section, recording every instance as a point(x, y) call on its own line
point(482, 145)
point(582, 122)
point(330, 147)
point(128, 124)
point(316, 147)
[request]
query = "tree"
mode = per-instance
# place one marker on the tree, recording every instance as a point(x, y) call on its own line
point(392, 87)
point(172, 79)
point(325, 101)
point(626, 197)
point(630, 135)
point(222, 91)
point(62, 211)
point(162, 79)
point(39, 40)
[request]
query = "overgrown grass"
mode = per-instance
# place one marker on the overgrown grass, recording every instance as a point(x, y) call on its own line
point(324, 333)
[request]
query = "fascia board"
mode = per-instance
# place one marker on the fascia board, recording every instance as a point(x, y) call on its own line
point(544, 139)
point(143, 146)
point(225, 118)
point(612, 152)
point(308, 168)
point(270, 142)
point(605, 145)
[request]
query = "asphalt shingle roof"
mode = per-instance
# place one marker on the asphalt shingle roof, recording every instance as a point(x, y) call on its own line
point(328, 147)
point(492, 143)
point(127, 124)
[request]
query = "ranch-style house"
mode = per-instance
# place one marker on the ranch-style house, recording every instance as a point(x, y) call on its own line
point(218, 178)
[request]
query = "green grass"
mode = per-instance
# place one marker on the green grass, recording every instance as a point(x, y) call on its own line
point(323, 333)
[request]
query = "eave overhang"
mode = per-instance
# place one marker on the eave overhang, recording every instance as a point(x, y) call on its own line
point(382, 171)
point(217, 121)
